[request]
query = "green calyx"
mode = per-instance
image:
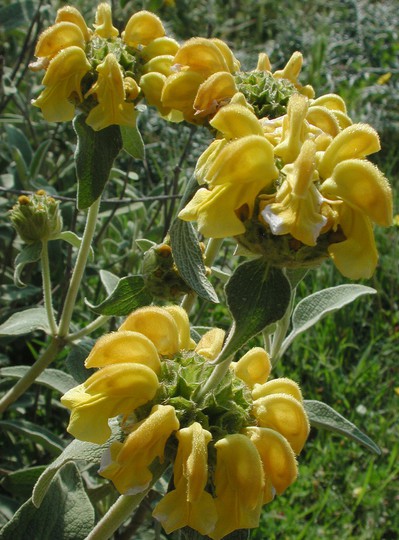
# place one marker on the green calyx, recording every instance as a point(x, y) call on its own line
point(225, 410)
point(267, 95)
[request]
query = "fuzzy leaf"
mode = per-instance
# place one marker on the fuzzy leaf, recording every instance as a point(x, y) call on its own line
point(132, 141)
point(35, 433)
point(257, 296)
point(52, 378)
point(325, 417)
point(189, 260)
point(24, 322)
point(28, 254)
point(94, 157)
point(109, 280)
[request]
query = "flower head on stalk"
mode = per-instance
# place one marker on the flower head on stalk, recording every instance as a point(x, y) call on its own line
point(98, 71)
point(231, 450)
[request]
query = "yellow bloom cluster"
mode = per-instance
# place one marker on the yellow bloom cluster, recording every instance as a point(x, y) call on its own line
point(99, 71)
point(303, 176)
point(231, 452)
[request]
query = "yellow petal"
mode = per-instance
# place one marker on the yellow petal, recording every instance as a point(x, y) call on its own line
point(331, 101)
point(59, 36)
point(159, 47)
point(286, 415)
point(201, 55)
point(356, 257)
point(206, 159)
point(243, 161)
point(324, 119)
point(356, 141)
point(142, 28)
point(124, 347)
point(63, 85)
point(156, 324)
point(215, 92)
point(231, 61)
point(211, 343)
point(294, 129)
point(152, 86)
point(254, 367)
point(239, 485)
point(71, 14)
point(292, 68)
point(277, 386)
point(263, 63)
point(236, 121)
point(183, 327)
point(113, 390)
point(278, 459)
point(363, 186)
point(103, 26)
point(160, 64)
point(180, 90)
point(127, 464)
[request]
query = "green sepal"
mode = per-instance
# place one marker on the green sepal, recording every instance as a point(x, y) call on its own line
point(94, 157)
point(129, 294)
point(325, 417)
point(257, 296)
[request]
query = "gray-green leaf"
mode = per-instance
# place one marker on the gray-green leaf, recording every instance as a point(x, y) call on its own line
point(28, 254)
point(24, 322)
point(35, 433)
point(132, 141)
point(325, 417)
point(51, 378)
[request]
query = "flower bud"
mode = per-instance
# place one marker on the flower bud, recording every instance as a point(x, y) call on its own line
point(36, 217)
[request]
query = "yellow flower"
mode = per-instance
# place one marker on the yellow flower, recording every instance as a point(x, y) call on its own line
point(63, 85)
point(211, 343)
point(254, 367)
point(297, 205)
point(103, 25)
point(239, 483)
point(58, 37)
point(127, 464)
point(115, 389)
point(110, 93)
point(71, 14)
point(142, 28)
point(189, 505)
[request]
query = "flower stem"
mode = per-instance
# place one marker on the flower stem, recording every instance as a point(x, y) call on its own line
point(48, 302)
point(214, 379)
point(281, 331)
point(30, 376)
point(97, 323)
point(80, 265)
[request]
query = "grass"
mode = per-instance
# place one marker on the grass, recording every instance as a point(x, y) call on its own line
point(349, 360)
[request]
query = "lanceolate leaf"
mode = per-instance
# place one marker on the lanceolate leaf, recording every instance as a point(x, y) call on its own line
point(52, 378)
point(316, 306)
point(257, 295)
point(25, 322)
point(132, 141)
point(129, 294)
point(325, 417)
point(35, 433)
point(189, 260)
point(29, 254)
point(94, 156)
point(66, 512)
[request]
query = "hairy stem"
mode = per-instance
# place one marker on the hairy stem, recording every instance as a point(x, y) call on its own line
point(47, 295)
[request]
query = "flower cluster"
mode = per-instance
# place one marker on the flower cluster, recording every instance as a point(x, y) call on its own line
point(294, 188)
point(232, 449)
point(100, 72)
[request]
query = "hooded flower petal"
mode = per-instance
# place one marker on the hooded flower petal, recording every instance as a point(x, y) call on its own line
point(62, 81)
point(254, 367)
point(183, 325)
point(113, 390)
point(159, 47)
point(211, 343)
point(72, 15)
point(57, 37)
point(142, 28)
point(277, 386)
point(294, 129)
point(103, 26)
point(284, 414)
point(127, 464)
point(158, 325)
point(201, 55)
point(239, 483)
point(216, 91)
point(189, 504)
point(236, 121)
point(112, 109)
point(124, 347)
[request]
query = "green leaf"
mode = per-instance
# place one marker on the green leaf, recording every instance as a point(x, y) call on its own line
point(76, 358)
point(35, 433)
point(20, 483)
point(28, 254)
point(74, 240)
point(17, 139)
point(144, 245)
point(132, 141)
point(17, 14)
point(325, 417)
point(65, 513)
point(189, 260)
point(76, 451)
point(37, 159)
point(313, 308)
point(51, 378)
point(109, 280)
point(25, 322)
point(257, 295)
point(129, 294)
point(94, 157)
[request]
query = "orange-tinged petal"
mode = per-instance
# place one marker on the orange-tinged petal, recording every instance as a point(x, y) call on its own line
point(211, 343)
point(254, 367)
point(124, 347)
point(215, 92)
point(236, 121)
point(127, 464)
point(158, 325)
point(363, 186)
point(278, 459)
point(284, 414)
point(71, 14)
point(142, 28)
point(113, 390)
point(57, 37)
point(277, 386)
point(201, 55)
point(356, 141)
